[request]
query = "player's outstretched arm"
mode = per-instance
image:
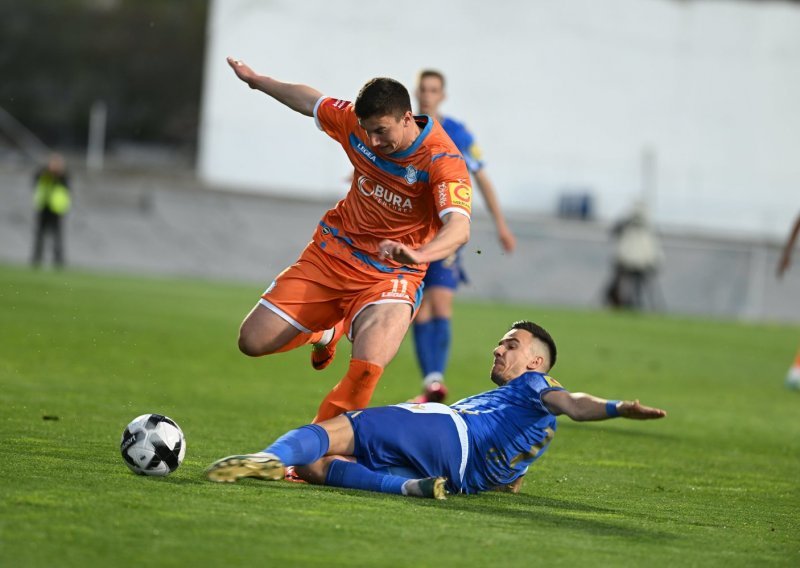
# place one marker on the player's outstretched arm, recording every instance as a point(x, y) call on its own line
point(453, 234)
point(486, 187)
point(786, 256)
point(583, 407)
point(300, 98)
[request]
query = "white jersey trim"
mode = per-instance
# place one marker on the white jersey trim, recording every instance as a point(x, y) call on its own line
point(272, 307)
point(316, 108)
point(449, 210)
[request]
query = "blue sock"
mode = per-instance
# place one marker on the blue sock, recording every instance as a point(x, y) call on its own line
point(302, 446)
point(424, 346)
point(440, 342)
point(353, 475)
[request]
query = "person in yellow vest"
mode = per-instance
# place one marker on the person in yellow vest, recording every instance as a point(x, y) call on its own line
point(793, 377)
point(51, 200)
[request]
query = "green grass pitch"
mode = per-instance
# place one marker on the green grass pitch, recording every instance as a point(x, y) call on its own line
point(715, 484)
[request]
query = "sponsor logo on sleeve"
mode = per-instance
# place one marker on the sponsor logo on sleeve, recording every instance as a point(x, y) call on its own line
point(551, 381)
point(442, 191)
point(460, 194)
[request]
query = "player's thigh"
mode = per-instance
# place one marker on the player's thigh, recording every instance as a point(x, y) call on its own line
point(263, 331)
point(378, 331)
point(340, 435)
point(378, 315)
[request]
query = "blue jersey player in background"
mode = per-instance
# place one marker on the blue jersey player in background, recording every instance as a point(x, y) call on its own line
point(483, 442)
point(432, 324)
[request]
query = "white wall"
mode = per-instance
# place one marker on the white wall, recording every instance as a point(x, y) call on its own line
point(561, 93)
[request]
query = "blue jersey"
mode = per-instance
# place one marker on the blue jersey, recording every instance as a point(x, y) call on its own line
point(464, 141)
point(508, 429)
point(449, 272)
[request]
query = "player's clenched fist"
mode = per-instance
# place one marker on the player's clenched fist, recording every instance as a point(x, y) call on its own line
point(398, 252)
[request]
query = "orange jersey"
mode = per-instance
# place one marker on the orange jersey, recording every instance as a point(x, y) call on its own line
point(400, 196)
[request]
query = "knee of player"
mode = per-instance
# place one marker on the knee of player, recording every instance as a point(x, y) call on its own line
point(443, 307)
point(314, 473)
point(251, 346)
point(246, 346)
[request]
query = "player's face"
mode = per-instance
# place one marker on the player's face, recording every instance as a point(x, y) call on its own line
point(388, 134)
point(514, 355)
point(430, 94)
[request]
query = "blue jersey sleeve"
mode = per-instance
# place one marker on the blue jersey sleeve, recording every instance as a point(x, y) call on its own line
point(541, 384)
point(465, 142)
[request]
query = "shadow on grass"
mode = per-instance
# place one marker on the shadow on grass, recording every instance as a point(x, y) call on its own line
point(617, 431)
point(176, 480)
point(551, 512)
point(517, 510)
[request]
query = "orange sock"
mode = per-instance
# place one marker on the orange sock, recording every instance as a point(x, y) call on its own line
point(354, 391)
point(301, 339)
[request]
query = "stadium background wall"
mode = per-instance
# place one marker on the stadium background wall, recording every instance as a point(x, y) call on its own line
point(689, 105)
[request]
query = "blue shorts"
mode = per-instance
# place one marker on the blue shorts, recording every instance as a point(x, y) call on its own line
point(448, 272)
point(411, 440)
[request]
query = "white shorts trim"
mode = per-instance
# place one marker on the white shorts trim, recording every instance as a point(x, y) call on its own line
point(272, 307)
point(461, 427)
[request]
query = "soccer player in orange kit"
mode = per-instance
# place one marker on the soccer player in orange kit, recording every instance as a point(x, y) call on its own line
point(409, 204)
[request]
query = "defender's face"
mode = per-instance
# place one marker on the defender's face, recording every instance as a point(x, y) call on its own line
point(513, 356)
point(430, 94)
point(388, 134)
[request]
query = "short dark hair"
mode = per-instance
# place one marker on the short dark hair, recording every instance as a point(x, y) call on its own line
point(381, 97)
point(425, 73)
point(541, 334)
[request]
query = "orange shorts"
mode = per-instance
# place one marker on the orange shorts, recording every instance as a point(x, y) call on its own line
point(319, 290)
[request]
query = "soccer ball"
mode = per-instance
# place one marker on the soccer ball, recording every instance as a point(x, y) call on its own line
point(153, 444)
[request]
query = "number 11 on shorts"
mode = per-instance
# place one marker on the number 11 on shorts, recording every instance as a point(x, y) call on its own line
point(399, 286)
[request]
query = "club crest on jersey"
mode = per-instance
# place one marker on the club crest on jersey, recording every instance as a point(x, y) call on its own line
point(411, 175)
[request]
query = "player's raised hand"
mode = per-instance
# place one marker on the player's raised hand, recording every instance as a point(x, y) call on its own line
point(398, 252)
point(243, 71)
point(637, 411)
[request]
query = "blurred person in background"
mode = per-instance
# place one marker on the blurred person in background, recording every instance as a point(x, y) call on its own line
point(637, 258)
point(432, 334)
point(51, 201)
point(793, 377)
point(409, 204)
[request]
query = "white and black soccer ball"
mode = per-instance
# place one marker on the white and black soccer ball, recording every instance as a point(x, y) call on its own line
point(153, 444)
